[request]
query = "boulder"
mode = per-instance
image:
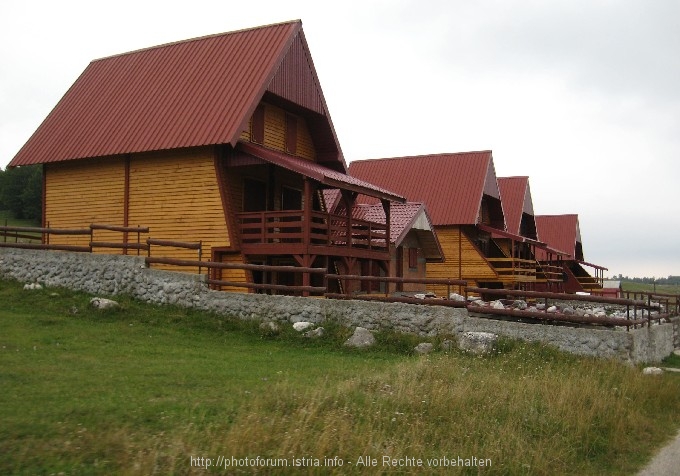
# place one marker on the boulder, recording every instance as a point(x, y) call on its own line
point(302, 326)
point(362, 337)
point(552, 309)
point(103, 303)
point(652, 371)
point(31, 286)
point(520, 304)
point(456, 297)
point(477, 342)
point(270, 328)
point(419, 296)
point(314, 333)
point(497, 305)
point(676, 352)
point(423, 348)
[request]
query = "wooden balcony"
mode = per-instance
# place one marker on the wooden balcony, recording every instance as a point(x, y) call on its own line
point(514, 270)
point(287, 233)
point(549, 273)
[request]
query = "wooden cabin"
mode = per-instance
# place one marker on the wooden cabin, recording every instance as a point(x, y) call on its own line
point(462, 196)
point(563, 233)
point(413, 245)
point(224, 139)
point(520, 242)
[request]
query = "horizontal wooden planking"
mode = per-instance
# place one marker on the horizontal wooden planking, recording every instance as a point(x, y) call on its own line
point(176, 195)
point(233, 275)
point(305, 143)
point(274, 128)
point(79, 193)
point(275, 133)
point(472, 265)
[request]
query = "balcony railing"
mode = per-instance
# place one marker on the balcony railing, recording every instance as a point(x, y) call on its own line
point(514, 269)
point(324, 229)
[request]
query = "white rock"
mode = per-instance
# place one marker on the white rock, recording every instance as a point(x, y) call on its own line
point(477, 342)
point(652, 371)
point(362, 337)
point(677, 352)
point(318, 332)
point(552, 309)
point(33, 286)
point(302, 326)
point(103, 303)
point(497, 305)
point(423, 348)
point(419, 296)
point(456, 297)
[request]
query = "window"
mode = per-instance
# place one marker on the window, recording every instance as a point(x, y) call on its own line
point(413, 258)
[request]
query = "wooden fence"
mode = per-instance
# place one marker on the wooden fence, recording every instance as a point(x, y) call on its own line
point(39, 238)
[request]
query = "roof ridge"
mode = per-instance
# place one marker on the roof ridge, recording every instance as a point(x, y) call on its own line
point(442, 154)
point(197, 38)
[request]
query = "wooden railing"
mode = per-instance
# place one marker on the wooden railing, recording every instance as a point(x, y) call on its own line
point(285, 227)
point(388, 295)
point(514, 269)
point(550, 273)
point(212, 265)
point(628, 322)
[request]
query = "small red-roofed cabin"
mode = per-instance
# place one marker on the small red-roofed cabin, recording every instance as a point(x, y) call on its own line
point(413, 244)
point(563, 233)
point(224, 139)
point(461, 194)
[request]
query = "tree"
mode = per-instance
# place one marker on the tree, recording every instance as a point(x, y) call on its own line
point(21, 191)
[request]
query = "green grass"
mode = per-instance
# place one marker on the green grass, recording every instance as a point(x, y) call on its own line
point(8, 218)
point(649, 288)
point(142, 389)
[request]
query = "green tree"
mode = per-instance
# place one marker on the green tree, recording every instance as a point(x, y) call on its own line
point(21, 191)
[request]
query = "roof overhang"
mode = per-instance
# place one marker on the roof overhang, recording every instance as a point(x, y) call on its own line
point(507, 234)
point(324, 175)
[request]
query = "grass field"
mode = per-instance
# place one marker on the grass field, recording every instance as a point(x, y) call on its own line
point(649, 288)
point(6, 217)
point(145, 389)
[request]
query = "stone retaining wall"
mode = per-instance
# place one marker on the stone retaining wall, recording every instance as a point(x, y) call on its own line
point(116, 274)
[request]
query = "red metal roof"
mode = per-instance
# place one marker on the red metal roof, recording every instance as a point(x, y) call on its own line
point(318, 172)
point(403, 218)
point(190, 93)
point(560, 232)
point(518, 206)
point(451, 185)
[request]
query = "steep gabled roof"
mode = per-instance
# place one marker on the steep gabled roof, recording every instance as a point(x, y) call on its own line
point(560, 232)
point(190, 93)
point(451, 185)
point(517, 203)
point(404, 218)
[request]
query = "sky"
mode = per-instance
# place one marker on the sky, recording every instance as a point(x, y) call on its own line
point(581, 96)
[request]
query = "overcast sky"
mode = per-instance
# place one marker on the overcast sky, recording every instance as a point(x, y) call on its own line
point(581, 96)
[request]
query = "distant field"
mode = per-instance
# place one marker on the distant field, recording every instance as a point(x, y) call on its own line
point(145, 389)
point(648, 288)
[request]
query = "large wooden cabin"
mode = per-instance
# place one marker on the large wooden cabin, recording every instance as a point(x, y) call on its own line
point(461, 193)
point(224, 139)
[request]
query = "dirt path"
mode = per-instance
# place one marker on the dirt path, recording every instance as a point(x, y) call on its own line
point(666, 462)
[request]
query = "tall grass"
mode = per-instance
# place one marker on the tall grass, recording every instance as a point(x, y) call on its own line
point(144, 389)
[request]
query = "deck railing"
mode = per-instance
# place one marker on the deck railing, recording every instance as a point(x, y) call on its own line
point(286, 227)
point(514, 269)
